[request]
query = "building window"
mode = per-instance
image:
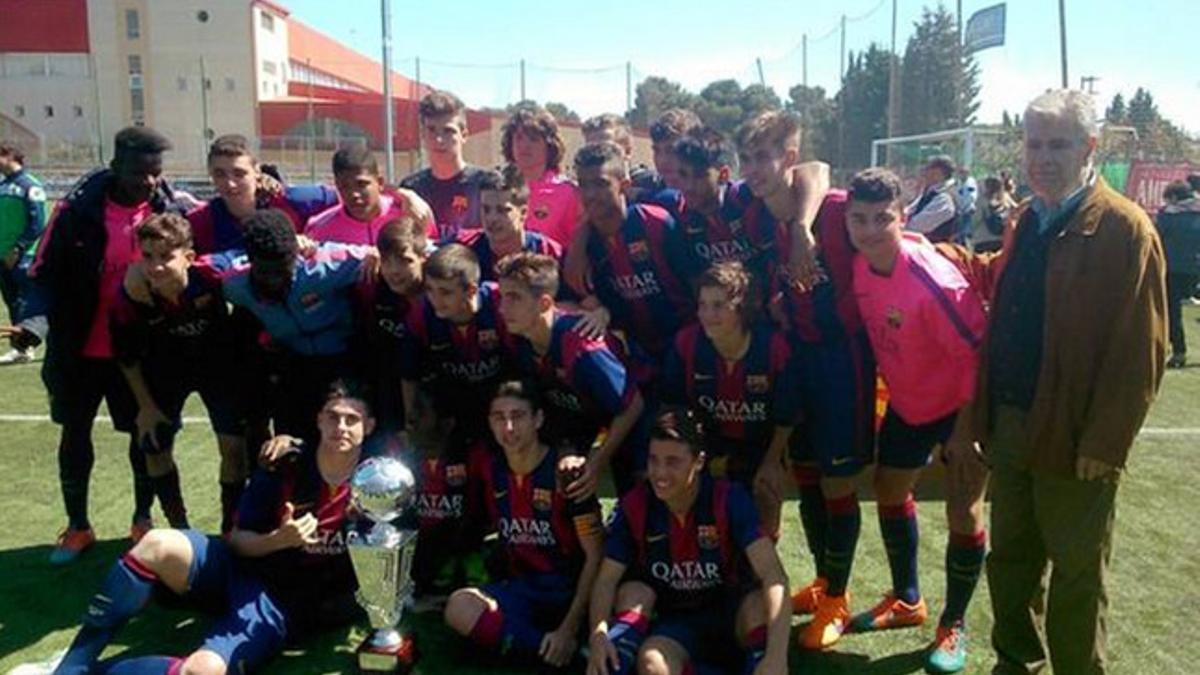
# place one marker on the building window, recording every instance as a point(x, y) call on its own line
point(135, 64)
point(19, 110)
point(229, 84)
point(267, 22)
point(269, 67)
point(49, 111)
point(181, 83)
point(78, 110)
point(133, 24)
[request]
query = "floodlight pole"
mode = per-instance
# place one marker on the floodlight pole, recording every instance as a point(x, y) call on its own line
point(389, 122)
point(1062, 38)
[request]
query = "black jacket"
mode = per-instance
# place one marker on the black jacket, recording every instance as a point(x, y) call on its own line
point(65, 276)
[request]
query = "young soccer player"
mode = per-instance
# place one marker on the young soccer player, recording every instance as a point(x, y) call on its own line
point(304, 304)
point(585, 379)
point(449, 185)
point(689, 583)
point(75, 278)
point(552, 544)
point(670, 126)
point(366, 204)
point(639, 264)
point(176, 344)
point(504, 207)
point(713, 216)
point(532, 142)
point(457, 348)
point(284, 574)
point(387, 305)
point(739, 374)
point(243, 188)
point(926, 324)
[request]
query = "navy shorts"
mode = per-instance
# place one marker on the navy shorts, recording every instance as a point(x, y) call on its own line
point(541, 600)
point(909, 446)
point(252, 628)
point(75, 396)
point(837, 391)
point(708, 634)
point(170, 387)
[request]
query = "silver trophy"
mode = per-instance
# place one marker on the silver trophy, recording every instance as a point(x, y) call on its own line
point(383, 489)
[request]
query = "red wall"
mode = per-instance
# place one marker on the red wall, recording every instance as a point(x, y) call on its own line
point(44, 26)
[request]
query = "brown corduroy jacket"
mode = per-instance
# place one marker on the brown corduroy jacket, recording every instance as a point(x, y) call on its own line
point(1104, 342)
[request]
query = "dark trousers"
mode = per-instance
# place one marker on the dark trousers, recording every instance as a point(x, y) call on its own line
point(1180, 288)
point(1046, 527)
point(10, 285)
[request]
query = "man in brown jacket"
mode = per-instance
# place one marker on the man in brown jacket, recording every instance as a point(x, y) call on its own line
point(1074, 354)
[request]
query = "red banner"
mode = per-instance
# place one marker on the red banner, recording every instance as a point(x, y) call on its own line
point(1147, 182)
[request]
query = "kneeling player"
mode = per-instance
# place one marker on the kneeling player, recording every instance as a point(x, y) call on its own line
point(284, 574)
point(170, 346)
point(926, 324)
point(552, 544)
point(690, 549)
point(740, 374)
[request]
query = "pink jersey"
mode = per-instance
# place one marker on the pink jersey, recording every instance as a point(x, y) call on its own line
point(553, 207)
point(120, 250)
point(926, 324)
point(335, 224)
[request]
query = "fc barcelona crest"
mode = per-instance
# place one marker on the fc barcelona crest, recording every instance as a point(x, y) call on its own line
point(757, 384)
point(542, 499)
point(488, 339)
point(706, 536)
point(894, 318)
point(459, 205)
point(639, 250)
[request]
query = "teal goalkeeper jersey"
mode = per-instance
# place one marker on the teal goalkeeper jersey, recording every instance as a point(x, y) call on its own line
point(22, 212)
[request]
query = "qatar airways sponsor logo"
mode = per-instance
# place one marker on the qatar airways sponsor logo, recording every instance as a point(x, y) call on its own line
point(473, 371)
point(723, 410)
point(637, 285)
point(190, 329)
point(329, 542)
point(393, 327)
point(439, 507)
point(724, 251)
point(688, 575)
point(528, 531)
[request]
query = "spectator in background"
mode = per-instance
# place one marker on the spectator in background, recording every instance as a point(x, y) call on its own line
point(531, 140)
point(998, 203)
point(448, 184)
point(22, 219)
point(1193, 180)
point(935, 213)
point(1179, 227)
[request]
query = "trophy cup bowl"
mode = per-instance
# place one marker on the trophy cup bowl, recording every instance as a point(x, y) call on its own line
point(383, 489)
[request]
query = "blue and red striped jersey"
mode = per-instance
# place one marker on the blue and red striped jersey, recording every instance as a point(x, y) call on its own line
point(585, 382)
point(461, 364)
point(829, 311)
point(641, 275)
point(743, 400)
point(693, 563)
point(447, 501)
point(538, 526)
point(194, 329)
point(742, 230)
point(532, 242)
point(215, 228)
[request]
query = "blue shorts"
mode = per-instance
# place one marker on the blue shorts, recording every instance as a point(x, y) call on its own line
point(541, 600)
point(909, 446)
point(252, 628)
point(170, 385)
point(837, 391)
point(708, 634)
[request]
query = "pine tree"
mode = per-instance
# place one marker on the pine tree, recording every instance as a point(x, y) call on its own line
point(939, 85)
point(862, 105)
point(1116, 112)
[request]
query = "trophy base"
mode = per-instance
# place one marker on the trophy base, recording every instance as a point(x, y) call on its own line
point(398, 658)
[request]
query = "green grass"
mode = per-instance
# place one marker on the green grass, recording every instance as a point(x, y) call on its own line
point(1153, 583)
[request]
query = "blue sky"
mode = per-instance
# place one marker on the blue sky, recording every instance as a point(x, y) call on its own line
point(576, 52)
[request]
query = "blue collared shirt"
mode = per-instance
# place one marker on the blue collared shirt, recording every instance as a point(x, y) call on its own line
point(1048, 216)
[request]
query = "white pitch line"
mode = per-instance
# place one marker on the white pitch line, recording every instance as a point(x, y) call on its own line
point(1147, 431)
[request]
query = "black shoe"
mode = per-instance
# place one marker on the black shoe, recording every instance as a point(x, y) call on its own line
point(1177, 361)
